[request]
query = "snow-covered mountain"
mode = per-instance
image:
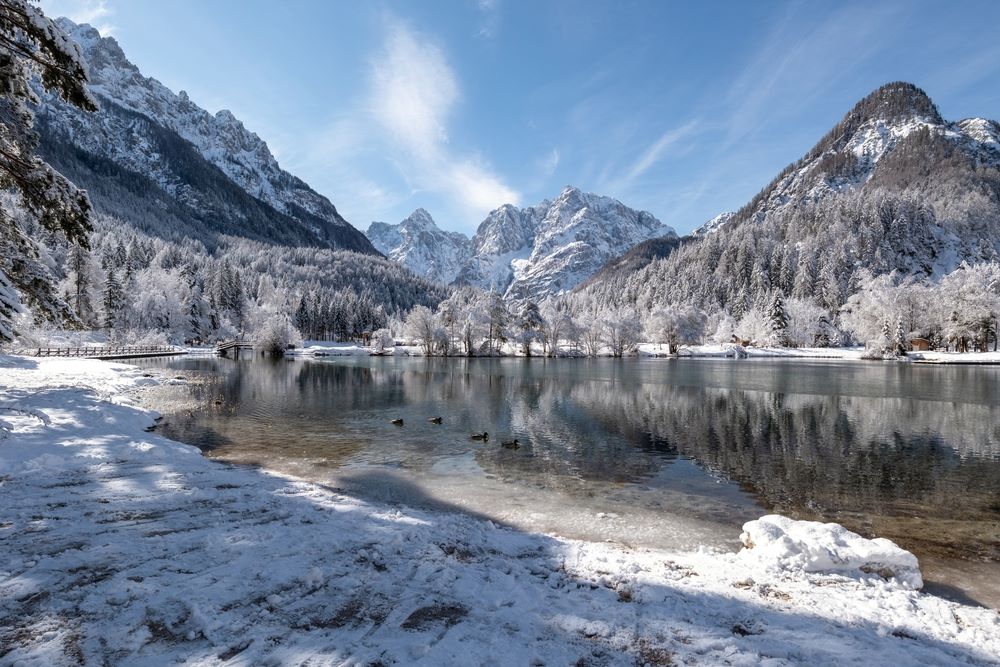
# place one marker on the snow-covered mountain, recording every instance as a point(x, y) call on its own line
point(155, 139)
point(535, 252)
point(879, 145)
point(422, 247)
point(892, 187)
point(523, 253)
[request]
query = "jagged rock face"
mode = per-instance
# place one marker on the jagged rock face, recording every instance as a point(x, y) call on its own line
point(523, 253)
point(548, 249)
point(130, 100)
point(421, 246)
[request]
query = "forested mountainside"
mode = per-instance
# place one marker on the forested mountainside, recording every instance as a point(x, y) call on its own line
point(130, 283)
point(892, 188)
point(157, 159)
point(523, 253)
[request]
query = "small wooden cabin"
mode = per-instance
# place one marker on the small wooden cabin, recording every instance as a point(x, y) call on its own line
point(920, 345)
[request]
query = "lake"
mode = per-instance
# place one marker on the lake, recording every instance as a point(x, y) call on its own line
point(661, 453)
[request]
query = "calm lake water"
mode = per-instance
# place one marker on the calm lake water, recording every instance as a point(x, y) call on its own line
point(649, 452)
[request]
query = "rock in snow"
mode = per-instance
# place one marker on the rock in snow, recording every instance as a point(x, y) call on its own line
point(778, 542)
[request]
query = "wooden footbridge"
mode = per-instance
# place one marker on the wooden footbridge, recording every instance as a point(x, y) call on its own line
point(107, 352)
point(234, 347)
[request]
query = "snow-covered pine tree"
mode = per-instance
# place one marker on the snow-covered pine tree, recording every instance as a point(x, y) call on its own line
point(778, 320)
point(303, 318)
point(112, 302)
point(899, 340)
point(78, 270)
point(886, 336)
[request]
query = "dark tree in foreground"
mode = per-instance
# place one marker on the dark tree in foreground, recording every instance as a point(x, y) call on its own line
point(31, 45)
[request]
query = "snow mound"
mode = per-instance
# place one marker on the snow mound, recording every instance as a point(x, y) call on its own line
point(778, 543)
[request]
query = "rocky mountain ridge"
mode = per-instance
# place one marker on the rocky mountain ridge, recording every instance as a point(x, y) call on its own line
point(524, 253)
point(158, 139)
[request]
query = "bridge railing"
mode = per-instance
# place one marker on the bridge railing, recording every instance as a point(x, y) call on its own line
point(230, 344)
point(99, 351)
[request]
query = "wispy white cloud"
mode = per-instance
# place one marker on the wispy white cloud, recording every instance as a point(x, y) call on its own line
point(547, 165)
point(414, 92)
point(489, 13)
point(95, 12)
point(621, 180)
point(656, 151)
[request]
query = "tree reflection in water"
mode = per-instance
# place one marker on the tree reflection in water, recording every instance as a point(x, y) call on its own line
point(911, 453)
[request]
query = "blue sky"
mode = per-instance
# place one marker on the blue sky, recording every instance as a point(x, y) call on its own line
point(459, 106)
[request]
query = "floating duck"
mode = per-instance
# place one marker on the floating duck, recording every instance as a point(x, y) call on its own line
point(435, 420)
point(511, 444)
point(480, 436)
point(397, 422)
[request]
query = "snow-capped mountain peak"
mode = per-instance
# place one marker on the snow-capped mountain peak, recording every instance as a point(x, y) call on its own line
point(548, 249)
point(523, 253)
point(420, 245)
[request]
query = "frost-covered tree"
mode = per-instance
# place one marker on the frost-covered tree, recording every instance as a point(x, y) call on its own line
point(276, 334)
point(675, 325)
point(497, 319)
point(382, 341)
point(755, 326)
point(899, 339)
point(32, 46)
point(723, 328)
point(808, 324)
point(422, 326)
point(622, 331)
point(558, 324)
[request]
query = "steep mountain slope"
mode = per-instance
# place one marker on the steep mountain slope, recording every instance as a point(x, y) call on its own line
point(535, 252)
point(636, 258)
point(892, 187)
point(714, 225)
point(148, 149)
point(418, 244)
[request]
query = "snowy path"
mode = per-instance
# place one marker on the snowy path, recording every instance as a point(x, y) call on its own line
point(120, 547)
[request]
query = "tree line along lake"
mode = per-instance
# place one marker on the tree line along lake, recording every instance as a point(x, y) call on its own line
point(661, 453)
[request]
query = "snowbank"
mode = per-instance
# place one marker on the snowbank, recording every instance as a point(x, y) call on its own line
point(956, 357)
point(316, 348)
point(119, 546)
point(851, 353)
point(778, 543)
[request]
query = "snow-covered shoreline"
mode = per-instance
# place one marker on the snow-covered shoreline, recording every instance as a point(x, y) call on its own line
point(118, 545)
point(334, 349)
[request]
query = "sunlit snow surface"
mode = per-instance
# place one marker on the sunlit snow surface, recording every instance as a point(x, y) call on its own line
point(118, 546)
